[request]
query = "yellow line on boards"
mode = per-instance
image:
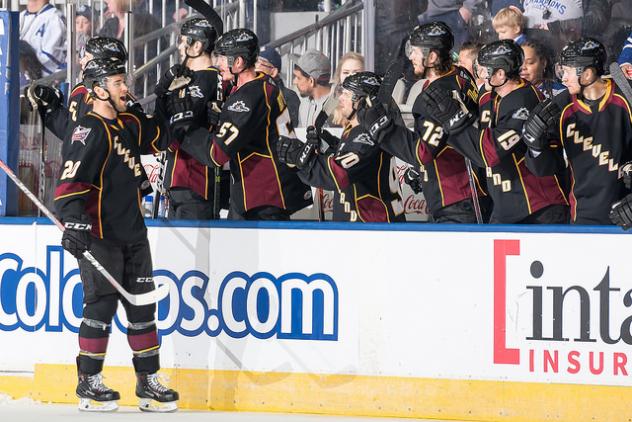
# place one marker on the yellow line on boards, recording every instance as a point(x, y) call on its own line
point(349, 394)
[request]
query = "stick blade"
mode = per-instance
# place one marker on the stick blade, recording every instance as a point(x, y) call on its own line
point(209, 14)
point(155, 296)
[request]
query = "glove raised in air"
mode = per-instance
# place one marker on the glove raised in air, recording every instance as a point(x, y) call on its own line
point(43, 97)
point(441, 106)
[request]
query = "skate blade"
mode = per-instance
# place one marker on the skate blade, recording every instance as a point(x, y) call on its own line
point(89, 405)
point(149, 405)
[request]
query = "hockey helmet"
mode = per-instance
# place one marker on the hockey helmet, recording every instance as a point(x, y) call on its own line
point(239, 42)
point(362, 84)
point(106, 48)
point(583, 53)
point(505, 55)
point(433, 36)
point(198, 29)
point(97, 71)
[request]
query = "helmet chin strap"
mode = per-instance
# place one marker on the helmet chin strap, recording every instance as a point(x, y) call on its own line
point(108, 99)
point(580, 71)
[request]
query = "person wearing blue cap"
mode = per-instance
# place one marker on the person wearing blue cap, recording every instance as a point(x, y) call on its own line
point(269, 62)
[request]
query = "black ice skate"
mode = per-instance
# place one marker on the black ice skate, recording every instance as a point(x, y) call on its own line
point(94, 396)
point(155, 397)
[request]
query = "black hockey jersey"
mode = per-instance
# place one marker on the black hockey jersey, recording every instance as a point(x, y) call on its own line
point(362, 177)
point(102, 175)
point(251, 121)
point(63, 120)
point(182, 170)
point(597, 139)
point(444, 174)
point(516, 191)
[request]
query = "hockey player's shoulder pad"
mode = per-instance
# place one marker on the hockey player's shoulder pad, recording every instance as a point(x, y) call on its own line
point(355, 148)
point(89, 127)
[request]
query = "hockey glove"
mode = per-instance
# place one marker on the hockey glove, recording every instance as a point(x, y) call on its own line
point(295, 153)
point(544, 115)
point(442, 107)
point(621, 212)
point(76, 238)
point(413, 179)
point(180, 111)
point(175, 71)
point(213, 112)
point(43, 97)
point(376, 120)
point(626, 171)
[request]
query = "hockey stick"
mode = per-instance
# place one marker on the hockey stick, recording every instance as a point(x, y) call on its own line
point(138, 300)
point(42, 164)
point(217, 171)
point(329, 106)
point(622, 82)
point(209, 14)
point(470, 172)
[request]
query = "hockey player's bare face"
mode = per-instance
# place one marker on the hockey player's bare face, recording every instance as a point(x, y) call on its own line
point(417, 59)
point(345, 102)
point(571, 80)
point(116, 90)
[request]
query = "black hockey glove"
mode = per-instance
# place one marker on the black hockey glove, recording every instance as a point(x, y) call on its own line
point(541, 118)
point(621, 212)
point(413, 179)
point(175, 71)
point(43, 97)
point(133, 106)
point(328, 142)
point(447, 111)
point(213, 111)
point(376, 120)
point(180, 111)
point(626, 172)
point(76, 238)
point(295, 153)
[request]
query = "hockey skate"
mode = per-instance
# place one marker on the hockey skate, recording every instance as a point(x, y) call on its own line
point(155, 397)
point(94, 396)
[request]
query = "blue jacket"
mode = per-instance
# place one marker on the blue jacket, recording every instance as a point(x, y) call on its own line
point(626, 53)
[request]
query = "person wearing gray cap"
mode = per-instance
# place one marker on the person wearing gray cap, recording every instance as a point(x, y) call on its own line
point(269, 62)
point(312, 74)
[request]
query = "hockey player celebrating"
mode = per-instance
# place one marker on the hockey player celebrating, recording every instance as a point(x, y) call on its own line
point(594, 124)
point(249, 125)
point(445, 180)
point(190, 183)
point(60, 119)
point(360, 173)
point(518, 195)
point(98, 201)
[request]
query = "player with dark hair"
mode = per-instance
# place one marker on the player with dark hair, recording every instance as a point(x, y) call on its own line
point(59, 119)
point(98, 201)
point(445, 180)
point(361, 175)
point(593, 122)
point(519, 196)
point(189, 184)
point(249, 125)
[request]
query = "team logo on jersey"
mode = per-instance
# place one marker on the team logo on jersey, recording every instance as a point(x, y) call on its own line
point(238, 107)
point(195, 91)
point(363, 138)
point(521, 114)
point(80, 134)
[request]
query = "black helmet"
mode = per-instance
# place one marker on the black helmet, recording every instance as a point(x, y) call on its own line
point(239, 43)
point(434, 36)
point(362, 84)
point(106, 48)
point(505, 55)
point(585, 52)
point(97, 70)
point(198, 29)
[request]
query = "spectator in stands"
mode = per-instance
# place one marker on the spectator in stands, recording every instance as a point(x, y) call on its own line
point(83, 20)
point(43, 27)
point(269, 62)
point(349, 64)
point(508, 24)
point(455, 13)
point(312, 75)
point(537, 68)
point(467, 56)
point(625, 58)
